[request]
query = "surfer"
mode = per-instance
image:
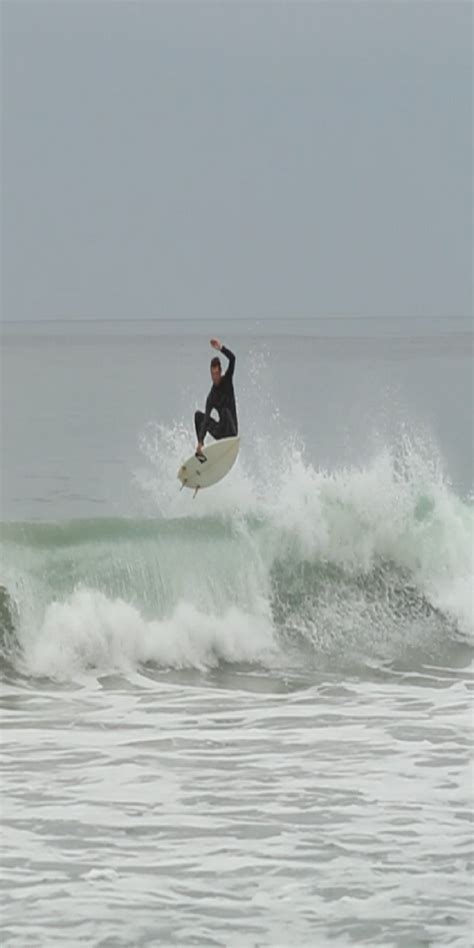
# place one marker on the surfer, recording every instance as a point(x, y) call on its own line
point(221, 398)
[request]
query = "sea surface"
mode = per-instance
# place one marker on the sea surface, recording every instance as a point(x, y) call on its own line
point(242, 720)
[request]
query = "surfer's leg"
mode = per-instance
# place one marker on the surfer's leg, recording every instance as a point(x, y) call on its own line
point(227, 426)
point(212, 426)
point(198, 420)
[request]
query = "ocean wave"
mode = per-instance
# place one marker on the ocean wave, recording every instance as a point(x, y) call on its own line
point(366, 561)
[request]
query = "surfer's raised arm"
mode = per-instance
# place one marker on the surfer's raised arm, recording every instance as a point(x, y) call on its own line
point(216, 344)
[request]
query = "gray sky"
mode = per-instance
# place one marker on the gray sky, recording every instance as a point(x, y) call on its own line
point(177, 159)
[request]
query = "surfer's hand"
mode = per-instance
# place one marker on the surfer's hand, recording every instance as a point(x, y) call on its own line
point(216, 344)
point(199, 450)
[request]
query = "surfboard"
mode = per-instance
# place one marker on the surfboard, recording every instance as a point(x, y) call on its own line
point(217, 460)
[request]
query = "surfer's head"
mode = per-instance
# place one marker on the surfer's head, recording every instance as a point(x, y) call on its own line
point(216, 370)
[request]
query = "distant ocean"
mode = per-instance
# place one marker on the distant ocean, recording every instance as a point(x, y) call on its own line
point(243, 720)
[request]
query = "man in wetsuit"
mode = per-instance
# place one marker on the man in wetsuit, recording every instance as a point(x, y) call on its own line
point(221, 398)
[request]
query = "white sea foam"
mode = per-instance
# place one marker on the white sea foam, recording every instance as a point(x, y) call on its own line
point(398, 507)
point(371, 560)
point(90, 631)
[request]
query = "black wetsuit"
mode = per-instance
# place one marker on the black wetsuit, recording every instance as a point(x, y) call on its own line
point(222, 398)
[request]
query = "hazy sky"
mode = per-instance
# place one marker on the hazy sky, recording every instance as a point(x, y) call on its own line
point(273, 158)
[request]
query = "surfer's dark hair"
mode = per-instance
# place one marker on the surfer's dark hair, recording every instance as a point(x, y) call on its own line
point(216, 362)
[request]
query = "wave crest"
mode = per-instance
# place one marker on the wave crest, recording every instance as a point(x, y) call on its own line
point(369, 560)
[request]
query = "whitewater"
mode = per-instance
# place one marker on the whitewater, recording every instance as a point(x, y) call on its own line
point(243, 719)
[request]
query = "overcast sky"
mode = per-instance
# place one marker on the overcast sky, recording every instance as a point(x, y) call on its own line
point(178, 159)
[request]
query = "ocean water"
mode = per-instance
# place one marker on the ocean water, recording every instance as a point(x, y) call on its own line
point(246, 719)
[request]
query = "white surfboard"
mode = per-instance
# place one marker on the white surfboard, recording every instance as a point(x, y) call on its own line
point(216, 462)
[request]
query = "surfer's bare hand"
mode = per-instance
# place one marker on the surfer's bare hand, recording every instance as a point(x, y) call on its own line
point(199, 450)
point(216, 344)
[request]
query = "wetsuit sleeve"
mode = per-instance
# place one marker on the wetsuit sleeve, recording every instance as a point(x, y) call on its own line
point(207, 415)
point(231, 357)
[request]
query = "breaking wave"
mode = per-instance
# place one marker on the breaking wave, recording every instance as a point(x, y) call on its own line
point(280, 563)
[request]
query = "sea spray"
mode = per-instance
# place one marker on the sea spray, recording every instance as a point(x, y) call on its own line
point(367, 561)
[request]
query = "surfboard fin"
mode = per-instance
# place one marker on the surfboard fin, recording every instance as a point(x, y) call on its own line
point(195, 491)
